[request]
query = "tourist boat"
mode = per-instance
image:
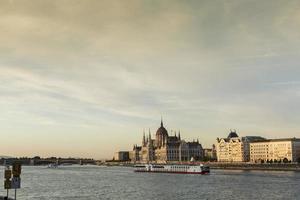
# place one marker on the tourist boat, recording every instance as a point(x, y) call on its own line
point(53, 165)
point(176, 169)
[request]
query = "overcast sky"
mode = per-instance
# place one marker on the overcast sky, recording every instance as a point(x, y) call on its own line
point(84, 78)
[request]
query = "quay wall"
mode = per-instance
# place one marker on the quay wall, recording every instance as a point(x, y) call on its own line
point(254, 166)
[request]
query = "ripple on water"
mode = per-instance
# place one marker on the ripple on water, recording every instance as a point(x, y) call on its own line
point(93, 183)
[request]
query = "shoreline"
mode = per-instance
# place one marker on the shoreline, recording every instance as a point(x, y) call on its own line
point(251, 166)
point(256, 169)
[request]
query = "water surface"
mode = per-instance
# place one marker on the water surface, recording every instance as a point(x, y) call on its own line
point(121, 183)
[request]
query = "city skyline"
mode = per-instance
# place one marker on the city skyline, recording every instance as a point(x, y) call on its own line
point(84, 78)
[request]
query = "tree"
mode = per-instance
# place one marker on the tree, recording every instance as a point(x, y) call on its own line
point(285, 160)
point(205, 159)
point(37, 157)
point(271, 161)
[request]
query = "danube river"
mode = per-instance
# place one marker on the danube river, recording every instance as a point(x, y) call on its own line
point(121, 183)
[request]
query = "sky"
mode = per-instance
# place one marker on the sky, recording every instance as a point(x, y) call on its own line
point(83, 78)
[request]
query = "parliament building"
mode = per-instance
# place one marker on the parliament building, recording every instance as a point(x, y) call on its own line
point(164, 148)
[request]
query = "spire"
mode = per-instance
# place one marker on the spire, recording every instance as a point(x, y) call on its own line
point(149, 134)
point(179, 135)
point(147, 140)
point(144, 138)
point(161, 122)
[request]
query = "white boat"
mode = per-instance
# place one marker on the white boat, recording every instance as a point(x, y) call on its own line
point(53, 166)
point(176, 169)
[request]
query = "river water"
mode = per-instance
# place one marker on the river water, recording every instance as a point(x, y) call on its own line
point(121, 183)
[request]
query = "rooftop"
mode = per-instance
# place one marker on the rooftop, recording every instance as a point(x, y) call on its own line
point(278, 140)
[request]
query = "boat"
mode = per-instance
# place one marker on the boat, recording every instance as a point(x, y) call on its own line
point(53, 165)
point(176, 169)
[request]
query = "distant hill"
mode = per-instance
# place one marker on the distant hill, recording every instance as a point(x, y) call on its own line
point(5, 157)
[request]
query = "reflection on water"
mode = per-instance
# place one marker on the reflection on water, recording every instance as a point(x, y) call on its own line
point(93, 182)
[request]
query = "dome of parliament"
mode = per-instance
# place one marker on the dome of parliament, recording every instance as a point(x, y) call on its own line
point(161, 130)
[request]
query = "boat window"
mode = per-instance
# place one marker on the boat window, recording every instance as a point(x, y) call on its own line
point(140, 166)
point(158, 166)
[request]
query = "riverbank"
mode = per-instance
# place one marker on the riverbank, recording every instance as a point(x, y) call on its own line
point(250, 166)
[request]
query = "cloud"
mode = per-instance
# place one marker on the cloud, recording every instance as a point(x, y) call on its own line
point(113, 68)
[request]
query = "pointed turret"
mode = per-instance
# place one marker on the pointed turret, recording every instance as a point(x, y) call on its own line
point(149, 134)
point(147, 140)
point(144, 138)
point(161, 122)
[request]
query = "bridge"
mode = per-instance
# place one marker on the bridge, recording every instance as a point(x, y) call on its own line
point(47, 161)
point(62, 161)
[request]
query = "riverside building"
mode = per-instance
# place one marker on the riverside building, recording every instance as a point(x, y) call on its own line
point(235, 148)
point(121, 156)
point(164, 148)
point(210, 154)
point(275, 150)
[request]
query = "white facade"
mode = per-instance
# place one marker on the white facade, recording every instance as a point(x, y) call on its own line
point(234, 148)
point(275, 150)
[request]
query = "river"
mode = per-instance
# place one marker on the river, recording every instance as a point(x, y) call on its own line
point(121, 183)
